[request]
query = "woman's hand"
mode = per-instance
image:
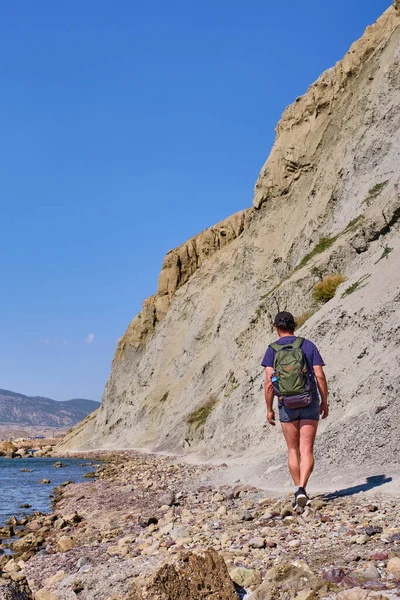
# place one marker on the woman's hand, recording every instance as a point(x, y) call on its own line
point(271, 417)
point(324, 410)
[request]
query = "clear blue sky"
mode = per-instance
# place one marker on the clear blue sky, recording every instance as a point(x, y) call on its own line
point(126, 128)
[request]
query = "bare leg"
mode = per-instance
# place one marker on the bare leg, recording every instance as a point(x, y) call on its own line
point(291, 431)
point(308, 430)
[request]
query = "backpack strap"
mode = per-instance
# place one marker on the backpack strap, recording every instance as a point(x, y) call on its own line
point(275, 346)
point(298, 342)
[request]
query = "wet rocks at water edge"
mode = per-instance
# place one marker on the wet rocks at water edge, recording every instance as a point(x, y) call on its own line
point(45, 451)
point(9, 450)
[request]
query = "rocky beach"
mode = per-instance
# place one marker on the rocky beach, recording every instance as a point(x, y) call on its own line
point(151, 527)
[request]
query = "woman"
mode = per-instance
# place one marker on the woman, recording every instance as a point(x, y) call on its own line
point(299, 425)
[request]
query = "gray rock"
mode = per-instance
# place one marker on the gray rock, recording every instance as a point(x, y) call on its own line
point(167, 498)
point(179, 532)
point(245, 515)
point(257, 542)
point(82, 561)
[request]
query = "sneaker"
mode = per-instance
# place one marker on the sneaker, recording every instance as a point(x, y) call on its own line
point(300, 498)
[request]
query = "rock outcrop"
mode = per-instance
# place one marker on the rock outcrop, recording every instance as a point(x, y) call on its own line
point(302, 131)
point(186, 376)
point(178, 266)
point(7, 447)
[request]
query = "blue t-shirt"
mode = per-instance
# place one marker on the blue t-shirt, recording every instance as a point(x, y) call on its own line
point(311, 352)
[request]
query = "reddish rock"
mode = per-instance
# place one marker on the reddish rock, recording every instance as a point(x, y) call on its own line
point(380, 556)
point(334, 575)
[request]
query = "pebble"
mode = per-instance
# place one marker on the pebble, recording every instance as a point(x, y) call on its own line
point(371, 573)
point(245, 515)
point(380, 556)
point(120, 550)
point(393, 567)
point(179, 532)
point(56, 578)
point(245, 577)
point(167, 498)
point(82, 561)
point(257, 542)
point(65, 543)
point(218, 498)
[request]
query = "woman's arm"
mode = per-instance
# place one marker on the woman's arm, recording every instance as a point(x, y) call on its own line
point(269, 395)
point(323, 389)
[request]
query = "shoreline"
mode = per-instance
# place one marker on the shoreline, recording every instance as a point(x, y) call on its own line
point(143, 511)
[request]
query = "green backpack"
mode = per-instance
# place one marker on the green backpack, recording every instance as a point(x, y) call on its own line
point(292, 382)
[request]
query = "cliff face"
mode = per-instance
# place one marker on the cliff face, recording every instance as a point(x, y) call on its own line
point(186, 376)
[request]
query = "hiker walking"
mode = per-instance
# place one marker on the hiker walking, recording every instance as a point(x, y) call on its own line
point(294, 373)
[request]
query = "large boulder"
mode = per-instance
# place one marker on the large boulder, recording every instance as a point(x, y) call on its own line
point(191, 577)
point(7, 447)
point(44, 451)
point(21, 452)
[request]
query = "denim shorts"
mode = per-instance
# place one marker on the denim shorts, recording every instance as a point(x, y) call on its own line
point(309, 413)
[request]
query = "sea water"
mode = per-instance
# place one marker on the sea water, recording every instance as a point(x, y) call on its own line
point(18, 487)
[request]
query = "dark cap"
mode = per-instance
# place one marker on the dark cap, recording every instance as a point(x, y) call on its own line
point(284, 319)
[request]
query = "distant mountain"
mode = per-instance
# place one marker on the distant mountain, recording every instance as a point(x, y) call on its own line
point(44, 412)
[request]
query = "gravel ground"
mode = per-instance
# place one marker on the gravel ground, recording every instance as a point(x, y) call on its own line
point(113, 533)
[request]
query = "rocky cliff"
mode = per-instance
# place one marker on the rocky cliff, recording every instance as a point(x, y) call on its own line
point(186, 376)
